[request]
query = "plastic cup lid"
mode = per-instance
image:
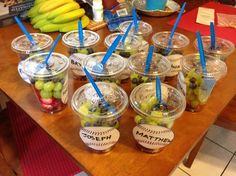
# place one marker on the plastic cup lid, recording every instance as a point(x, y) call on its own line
point(111, 92)
point(160, 65)
point(71, 39)
point(131, 42)
point(171, 97)
point(215, 67)
point(114, 65)
point(144, 29)
point(34, 66)
point(223, 47)
point(22, 44)
point(161, 39)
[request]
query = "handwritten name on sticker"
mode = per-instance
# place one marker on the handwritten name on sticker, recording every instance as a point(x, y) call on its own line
point(152, 137)
point(99, 138)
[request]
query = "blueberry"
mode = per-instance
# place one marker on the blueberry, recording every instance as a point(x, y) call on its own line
point(90, 50)
point(135, 81)
point(193, 80)
point(125, 54)
point(193, 85)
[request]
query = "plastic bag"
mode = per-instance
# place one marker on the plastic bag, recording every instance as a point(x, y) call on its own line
point(226, 20)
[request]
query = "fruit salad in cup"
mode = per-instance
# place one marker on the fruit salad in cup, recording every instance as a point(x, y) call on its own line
point(173, 52)
point(93, 112)
point(112, 69)
point(49, 81)
point(160, 66)
point(153, 112)
point(192, 81)
point(22, 46)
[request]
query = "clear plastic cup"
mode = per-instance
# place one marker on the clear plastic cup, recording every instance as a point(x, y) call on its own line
point(49, 82)
point(91, 110)
point(129, 48)
point(71, 41)
point(222, 50)
point(144, 29)
point(192, 81)
point(112, 69)
point(144, 102)
point(22, 46)
point(175, 51)
point(160, 66)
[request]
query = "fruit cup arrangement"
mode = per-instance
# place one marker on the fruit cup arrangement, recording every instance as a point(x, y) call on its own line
point(192, 80)
point(71, 41)
point(49, 81)
point(126, 49)
point(23, 47)
point(93, 112)
point(112, 69)
point(173, 52)
point(223, 48)
point(159, 66)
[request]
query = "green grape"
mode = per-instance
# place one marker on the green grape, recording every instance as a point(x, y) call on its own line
point(134, 75)
point(83, 109)
point(57, 94)
point(144, 78)
point(145, 107)
point(195, 103)
point(83, 51)
point(58, 86)
point(153, 101)
point(39, 84)
point(48, 86)
point(45, 94)
point(157, 114)
point(138, 119)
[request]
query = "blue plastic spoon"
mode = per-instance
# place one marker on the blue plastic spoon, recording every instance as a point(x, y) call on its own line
point(135, 20)
point(25, 31)
point(126, 33)
point(100, 66)
point(52, 49)
point(149, 59)
point(158, 90)
point(81, 34)
point(107, 106)
point(213, 36)
point(210, 82)
point(174, 28)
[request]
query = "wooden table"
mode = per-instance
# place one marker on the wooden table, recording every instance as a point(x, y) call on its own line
point(125, 159)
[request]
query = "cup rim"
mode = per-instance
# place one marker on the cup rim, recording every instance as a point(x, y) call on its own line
point(155, 42)
point(209, 59)
point(163, 58)
point(27, 51)
point(67, 44)
point(117, 114)
point(107, 42)
point(85, 61)
point(227, 53)
point(140, 112)
point(33, 75)
point(139, 33)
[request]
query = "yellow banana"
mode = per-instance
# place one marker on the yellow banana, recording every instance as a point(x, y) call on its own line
point(63, 9)
point(50, 27)
point(39, 17)
point(33, 11)
point(41, 23)
point(39, 1)
point(69, 16)
point(66, 27)
point(52, 4)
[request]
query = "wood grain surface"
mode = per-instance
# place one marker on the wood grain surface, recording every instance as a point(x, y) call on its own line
point(125, 159)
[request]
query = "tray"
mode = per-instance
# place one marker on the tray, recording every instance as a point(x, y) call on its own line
point(171, 7)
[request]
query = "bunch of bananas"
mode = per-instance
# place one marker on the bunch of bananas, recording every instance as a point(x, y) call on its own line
point(57, 15)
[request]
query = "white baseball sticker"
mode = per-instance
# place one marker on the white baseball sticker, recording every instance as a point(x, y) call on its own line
point(175, 64)
point(152, 137)
point(99, 138)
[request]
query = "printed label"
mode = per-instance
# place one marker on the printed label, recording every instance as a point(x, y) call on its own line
point(76, 64)
point(122, 12)
point(99, 138)
point(175, 64)
point(152, 137)
point(181, 86)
